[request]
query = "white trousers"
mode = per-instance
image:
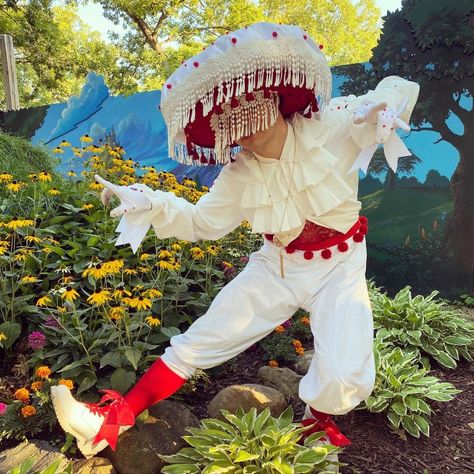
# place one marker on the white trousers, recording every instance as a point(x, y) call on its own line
point(252, 305)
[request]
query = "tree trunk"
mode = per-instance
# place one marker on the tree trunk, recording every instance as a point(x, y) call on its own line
point(460, 229)
point(391, 179)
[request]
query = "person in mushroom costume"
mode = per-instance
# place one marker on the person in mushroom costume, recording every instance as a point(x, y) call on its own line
point(258, 102)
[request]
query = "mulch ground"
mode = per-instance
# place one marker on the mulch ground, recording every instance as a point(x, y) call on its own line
point(375, 448)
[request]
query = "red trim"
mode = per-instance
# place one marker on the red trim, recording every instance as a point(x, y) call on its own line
point(361, 224)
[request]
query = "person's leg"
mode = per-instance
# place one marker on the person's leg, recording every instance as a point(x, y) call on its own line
point(245, 310)
point(342, 371)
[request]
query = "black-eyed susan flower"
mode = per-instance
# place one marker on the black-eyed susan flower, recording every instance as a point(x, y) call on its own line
point(15, 186)
point(152, 321)
point(139, 303)
point(130, 271)
point(58, 151)
point(96, 186)
point(86, 139)
point(87, 206)
point(32, 239)
point(113, 266)
point(99, 297)
point(145, 256)
point(166, 264)
point(17, 223)
point(165, 253)
point(22, 254)
point(29, 279)
point(45, 177)
point(71, 173)
point(54, 192)
point(212, 250)
point(44, 301)
point(175, 247)
point(6, 177)
point(153, 293)
point(96, 272)
point(120, 293)
point(69, 294)
point(64, 143)
point(116, 313)
point(197, 253)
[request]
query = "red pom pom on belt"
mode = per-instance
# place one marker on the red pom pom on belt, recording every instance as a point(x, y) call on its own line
point(357, 232)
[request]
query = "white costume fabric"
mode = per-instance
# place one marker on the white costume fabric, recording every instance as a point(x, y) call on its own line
point(319, 155)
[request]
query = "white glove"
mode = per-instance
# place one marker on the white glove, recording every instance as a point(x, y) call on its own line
point(132, 198)
point(387, 121)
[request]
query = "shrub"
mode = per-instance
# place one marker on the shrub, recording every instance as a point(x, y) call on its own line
point(250, 443)
point(423, 325)
point(404, 390)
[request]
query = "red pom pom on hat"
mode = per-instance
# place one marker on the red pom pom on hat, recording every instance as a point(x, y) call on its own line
point(363, 220)
point(358, 237)
point(363, 229)
point(308, 255)
point(326, 254)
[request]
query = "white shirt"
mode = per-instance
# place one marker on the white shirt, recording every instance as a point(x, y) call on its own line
point(311, 180)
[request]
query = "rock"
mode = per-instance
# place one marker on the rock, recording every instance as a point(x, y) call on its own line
point(283, 379)
point(138, 449)
point(246, 396)
point(94, 465)
point(41, 451)
point(303, 363)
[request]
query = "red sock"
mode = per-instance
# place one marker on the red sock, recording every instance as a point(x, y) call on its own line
point(157, 383)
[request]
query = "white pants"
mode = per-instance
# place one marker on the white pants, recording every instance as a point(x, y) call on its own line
point(253, 304)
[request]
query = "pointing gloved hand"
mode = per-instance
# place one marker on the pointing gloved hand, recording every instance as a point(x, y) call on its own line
point(133, 198)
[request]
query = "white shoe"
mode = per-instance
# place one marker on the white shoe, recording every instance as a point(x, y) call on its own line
point(77, 419)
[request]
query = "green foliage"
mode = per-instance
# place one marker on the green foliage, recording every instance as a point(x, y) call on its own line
point(405, 391)
point(20, 158)
point(422, 325)
point(250, 443)
point(53, 468)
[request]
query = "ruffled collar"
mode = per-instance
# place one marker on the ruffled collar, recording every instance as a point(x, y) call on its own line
point(303, 181)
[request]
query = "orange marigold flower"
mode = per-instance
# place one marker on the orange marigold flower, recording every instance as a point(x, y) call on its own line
point(37, 385)
point(299, 351)
point(22, 394)
point(69, 383)
point(43, 372)
point(297, 343)
point(27, 411)
point(280, 329)
point(305, 320)
point(273, 363)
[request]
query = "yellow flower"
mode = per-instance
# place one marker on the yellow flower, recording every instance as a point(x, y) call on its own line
point(96, 272)
point(45, 176)
point(165, 253)
point(69, 294)
point(87, 206)
point(22, 394)
point(54, 192)
point(227, 264)
point(44, 301)
point(61, 309)
point(86, 139)
point(58, 150)
point(43, 372)
point(204, 189)
point(69, 383)
point(144, 269)
point(121, 293)
point(23, 254)
point(175, 247)
point(5, 177)
point(189, 183)
point(166, 264)
point(138, 303)
point(145, 256)
point(130, 271)
point(197, 253)
point(37, 385)
point(96, 186)
point(116, 312)
point(29, 279)
point(28, 410)
point(32, 239)
point(273, 363)
point(17, 223)
point(153, 293)
point(2, 336)
point(99, 297)
point(71, 173)
point(152, 321)
point(64, 143)
point(15, 186)
point(113, 266)
point(212, 250)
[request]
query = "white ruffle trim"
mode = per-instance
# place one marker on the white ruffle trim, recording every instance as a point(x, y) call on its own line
point(316, 188)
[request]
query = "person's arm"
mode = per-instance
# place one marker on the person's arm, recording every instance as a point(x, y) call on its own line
point(212, 217)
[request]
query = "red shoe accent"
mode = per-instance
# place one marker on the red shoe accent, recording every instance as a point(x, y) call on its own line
point(157, 383)
point(324, 422)
point(117, 413)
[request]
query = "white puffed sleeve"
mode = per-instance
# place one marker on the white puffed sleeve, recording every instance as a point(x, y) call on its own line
point(215, 214)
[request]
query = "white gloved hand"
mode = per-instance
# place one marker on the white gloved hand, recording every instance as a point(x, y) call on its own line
point(132, 198)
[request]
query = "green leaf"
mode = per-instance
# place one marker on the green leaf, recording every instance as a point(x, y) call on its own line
point(424, 407)
point(24, 467)
point(445, 360)
point(52, 468)
point(243, 455)
point(457, 341)
point(394, 418)
point(12, 331)
point(133, 355)
point(412, 403)
point(86, 381)
point(181, 469)
point(121, 380)
point(439, 396)
point(422, 424)
point(170, 332)
point(410, 426)
point(111, 358)
point(399, 408)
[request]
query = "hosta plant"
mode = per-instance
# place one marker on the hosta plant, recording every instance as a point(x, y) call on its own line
point(424, 325)
point(249, 443)
point(404, 390)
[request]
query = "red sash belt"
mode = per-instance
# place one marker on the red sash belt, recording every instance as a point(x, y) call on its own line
point(357, 232)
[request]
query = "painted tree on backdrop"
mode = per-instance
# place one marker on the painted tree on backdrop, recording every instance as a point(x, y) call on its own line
point(161, 34)
point(431, 43)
